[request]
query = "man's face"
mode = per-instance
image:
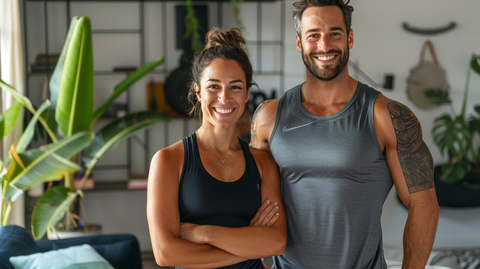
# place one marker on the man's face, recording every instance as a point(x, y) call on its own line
point(325, 43)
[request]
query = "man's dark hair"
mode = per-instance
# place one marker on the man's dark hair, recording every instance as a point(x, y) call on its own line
point(301, 5)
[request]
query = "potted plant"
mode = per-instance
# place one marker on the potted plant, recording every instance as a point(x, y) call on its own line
point(23, 168)
point(455, 135)
point(72, 96)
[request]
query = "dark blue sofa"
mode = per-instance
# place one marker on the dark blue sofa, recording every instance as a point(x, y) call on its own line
point(120, 250)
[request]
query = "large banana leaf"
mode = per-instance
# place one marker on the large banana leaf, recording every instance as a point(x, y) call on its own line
point(52, 167)
point(75, 99)
point(46, 164)
point(57, 73)
point(9, 118)
point(50, 209)
point(125, 84)
point(22, 99)
point(111, 134)
point(29, 131)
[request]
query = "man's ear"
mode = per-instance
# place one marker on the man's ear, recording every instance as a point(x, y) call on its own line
point(197, 92)
point(350, 39)
point(299, 43)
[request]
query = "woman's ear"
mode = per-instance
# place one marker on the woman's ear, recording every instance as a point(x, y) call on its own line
point(248, 94)
point(197, 91)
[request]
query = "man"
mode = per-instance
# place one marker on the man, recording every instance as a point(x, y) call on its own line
point(340, 146)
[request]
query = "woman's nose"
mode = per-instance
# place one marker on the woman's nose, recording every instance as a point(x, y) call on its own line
point(224, 95)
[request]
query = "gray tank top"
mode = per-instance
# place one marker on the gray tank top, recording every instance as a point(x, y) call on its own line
point(335, 180)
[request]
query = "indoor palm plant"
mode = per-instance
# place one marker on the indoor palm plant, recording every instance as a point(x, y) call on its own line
point(455, 135)
point(23, 168)
point(72, 96)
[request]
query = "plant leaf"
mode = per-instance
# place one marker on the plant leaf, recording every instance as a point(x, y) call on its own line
point(51, 167)
point(437, 96)
point(50, 209)
point(453, 173)
point(46, 164)
point(111, 134)
point(474, 63)
point(28, 133)
point(22, 99)
point(75, 98)
point(125, 85)
point(57, 73)
point(9, 118)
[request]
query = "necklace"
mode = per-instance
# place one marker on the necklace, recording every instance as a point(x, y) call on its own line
point(222, 160)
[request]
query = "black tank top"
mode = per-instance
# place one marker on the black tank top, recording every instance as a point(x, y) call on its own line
point(205, 200)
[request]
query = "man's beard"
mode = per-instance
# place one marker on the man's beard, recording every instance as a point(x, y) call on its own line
point(327, 74)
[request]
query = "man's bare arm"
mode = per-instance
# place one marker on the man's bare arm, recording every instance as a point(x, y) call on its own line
point(262, 124)
point(411, 167)
point(413, 154)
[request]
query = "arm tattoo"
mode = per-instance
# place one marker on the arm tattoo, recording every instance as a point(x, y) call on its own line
point(253, 125)
point(413, 154)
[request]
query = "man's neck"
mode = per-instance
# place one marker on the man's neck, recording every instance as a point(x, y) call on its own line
point(324, 98)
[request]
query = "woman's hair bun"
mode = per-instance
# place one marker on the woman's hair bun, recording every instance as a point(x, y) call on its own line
point(217, 37)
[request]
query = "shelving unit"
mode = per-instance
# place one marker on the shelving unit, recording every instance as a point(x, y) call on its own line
point(50, 10)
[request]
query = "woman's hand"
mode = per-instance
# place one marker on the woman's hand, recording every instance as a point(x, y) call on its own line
point(188, 231)
point(266, 215)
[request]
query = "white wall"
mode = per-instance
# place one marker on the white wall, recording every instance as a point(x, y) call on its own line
point(381, 46)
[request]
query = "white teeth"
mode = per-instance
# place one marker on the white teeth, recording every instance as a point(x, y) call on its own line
point(223, 111)
point(325, 58)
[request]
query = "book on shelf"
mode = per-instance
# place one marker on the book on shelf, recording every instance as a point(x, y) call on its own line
point(89, 183)
point(41, 67)
point(138, 182)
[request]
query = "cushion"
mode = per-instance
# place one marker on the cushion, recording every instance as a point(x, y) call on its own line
point(76, 257)
point(121, 251)
point(14, 241)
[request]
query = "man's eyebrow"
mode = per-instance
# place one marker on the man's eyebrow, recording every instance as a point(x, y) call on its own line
point(337, 28)
point(334, 28)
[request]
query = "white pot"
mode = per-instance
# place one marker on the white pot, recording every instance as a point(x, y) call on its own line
point(89, 230)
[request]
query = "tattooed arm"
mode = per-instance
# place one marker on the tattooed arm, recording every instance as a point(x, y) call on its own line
point(411, 165)
point(262, 124)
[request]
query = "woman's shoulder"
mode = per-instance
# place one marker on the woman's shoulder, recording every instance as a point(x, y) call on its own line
point(172, 153)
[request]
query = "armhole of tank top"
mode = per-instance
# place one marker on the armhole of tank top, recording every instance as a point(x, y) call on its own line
point(371, 122)
point(184, 160)
point(277, 119)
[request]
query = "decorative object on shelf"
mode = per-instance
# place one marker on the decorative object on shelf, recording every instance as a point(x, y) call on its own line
point(257, 97)
point(454, 135)
point(72, 93)
point(43, 63)
point(427, 77)
point(431, 31)
point(156, 100)
point(176, 85)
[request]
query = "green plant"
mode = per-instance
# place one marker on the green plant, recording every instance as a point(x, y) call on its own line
point(23, 168)
point(455, 134)
point(72, 96)
point(192, 27)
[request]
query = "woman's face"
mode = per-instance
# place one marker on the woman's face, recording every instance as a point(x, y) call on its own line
point(223, 93)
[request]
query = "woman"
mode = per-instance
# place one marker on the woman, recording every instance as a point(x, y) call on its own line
point(212, 200)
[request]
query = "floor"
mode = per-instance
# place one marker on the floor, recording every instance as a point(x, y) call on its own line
point(149, 262)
